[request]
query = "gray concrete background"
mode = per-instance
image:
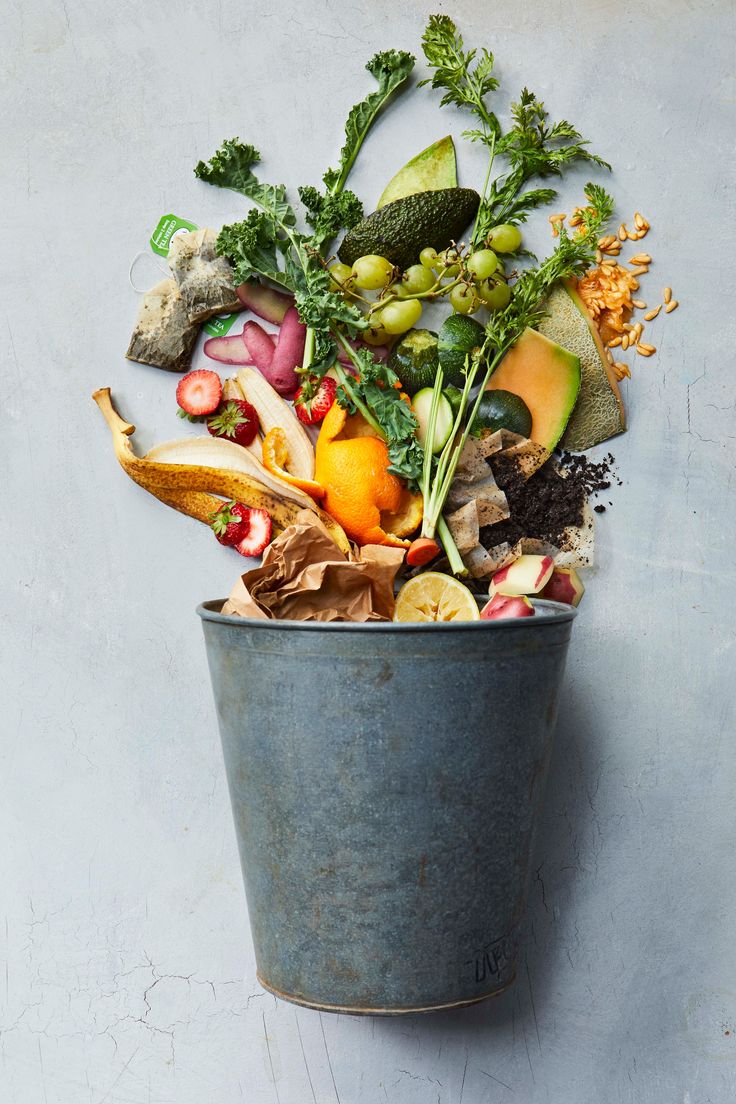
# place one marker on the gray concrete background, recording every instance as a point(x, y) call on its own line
point(126, 972)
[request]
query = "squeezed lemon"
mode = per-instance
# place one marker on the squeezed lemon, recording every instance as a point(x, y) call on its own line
point(433, 596)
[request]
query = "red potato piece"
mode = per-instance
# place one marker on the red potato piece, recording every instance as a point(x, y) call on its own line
point(266, 302)
point(507, 605)
point(228, 350)
point(259, 345)
point(527, 575)
point(565, 586)
point(287, 355)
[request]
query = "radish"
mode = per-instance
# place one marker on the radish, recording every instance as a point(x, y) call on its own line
point(265, 302)
point(287, 355)
point(259, 345)
point(228, 350)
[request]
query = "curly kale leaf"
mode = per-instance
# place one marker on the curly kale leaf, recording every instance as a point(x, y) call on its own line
point(232, 167)
point(253, 248)
point(328, 214)
point(378, 387)
point(390, 69)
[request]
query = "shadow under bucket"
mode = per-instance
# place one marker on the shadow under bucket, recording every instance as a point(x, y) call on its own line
point(385, 783)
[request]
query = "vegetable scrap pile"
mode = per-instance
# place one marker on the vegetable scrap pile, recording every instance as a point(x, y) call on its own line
point(409, 378)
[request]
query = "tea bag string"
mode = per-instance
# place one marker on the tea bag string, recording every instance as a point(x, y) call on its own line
point(158, 264)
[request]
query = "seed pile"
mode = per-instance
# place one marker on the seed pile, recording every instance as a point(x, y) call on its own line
point(607, 290)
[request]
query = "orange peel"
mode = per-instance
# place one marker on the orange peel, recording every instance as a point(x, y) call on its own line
point(371, 503)
point(276, 457)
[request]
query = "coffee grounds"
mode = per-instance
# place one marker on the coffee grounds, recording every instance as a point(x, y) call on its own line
point(551, 501)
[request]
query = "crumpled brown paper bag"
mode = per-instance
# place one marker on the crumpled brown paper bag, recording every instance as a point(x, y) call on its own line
point(305, 577)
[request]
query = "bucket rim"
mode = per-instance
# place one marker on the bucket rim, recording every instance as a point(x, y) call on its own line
point(556, 613)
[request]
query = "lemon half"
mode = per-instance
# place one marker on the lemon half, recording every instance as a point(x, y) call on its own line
point(433, 596)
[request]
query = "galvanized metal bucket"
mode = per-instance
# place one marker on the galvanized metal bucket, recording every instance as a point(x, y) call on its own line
point(385, 783)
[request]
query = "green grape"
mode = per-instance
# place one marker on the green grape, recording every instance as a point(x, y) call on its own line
point(483, 263)
point(428, 257)
point(340, 273)
point(400, 316)
point(376, 335)
point(446, 260)
point(464, 300)
point(505, 238)
point(495, 296)
point(417, 279)
point(372, 272)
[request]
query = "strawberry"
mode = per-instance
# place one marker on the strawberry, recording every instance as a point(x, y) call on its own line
point(231, 523)
point(199, 393)
point(312, 410)
point(236, 420)
point(259, 534)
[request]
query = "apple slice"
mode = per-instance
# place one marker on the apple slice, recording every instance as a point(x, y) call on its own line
point(564, 585)
point(507, 605)
point(527, 575)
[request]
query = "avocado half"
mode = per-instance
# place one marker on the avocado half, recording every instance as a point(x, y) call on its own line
point(400, 230)
point(434, 168)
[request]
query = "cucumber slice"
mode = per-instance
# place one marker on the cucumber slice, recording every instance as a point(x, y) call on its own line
point(421, 404)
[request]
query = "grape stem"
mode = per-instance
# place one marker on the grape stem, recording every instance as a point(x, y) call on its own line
point(434, 292)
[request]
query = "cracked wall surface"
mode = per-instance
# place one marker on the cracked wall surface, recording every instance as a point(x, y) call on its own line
point(126, 967)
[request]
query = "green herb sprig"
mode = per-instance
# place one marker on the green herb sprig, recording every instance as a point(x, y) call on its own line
point(532, 147)
point(572, 257)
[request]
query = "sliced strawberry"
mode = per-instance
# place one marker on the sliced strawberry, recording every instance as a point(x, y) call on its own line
point(199, 392)
point(235, 419)
point(259, 534)
point(231, 523)
point(311, 410)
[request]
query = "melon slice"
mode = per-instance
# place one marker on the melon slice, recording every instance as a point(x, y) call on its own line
point(599, 411)
point(432, 169)
point(547, 378)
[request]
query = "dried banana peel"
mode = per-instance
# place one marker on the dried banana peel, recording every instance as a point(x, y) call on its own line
point(190, 488)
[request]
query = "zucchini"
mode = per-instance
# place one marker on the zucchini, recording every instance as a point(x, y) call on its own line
point(415, 360)
point(501, 409)
point(459, 335)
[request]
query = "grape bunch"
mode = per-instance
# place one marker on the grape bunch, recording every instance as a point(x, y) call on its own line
point(471, 280)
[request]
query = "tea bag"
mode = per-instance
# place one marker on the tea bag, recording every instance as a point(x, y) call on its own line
point(204, 280)
point(163, 335)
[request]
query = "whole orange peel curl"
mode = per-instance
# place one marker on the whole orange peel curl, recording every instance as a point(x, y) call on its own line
point(276, 459)
point(370, 503)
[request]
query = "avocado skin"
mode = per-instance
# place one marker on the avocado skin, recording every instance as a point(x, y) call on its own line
point(400, 230)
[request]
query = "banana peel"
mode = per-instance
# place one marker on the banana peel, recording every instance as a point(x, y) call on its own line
point(191, 488)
